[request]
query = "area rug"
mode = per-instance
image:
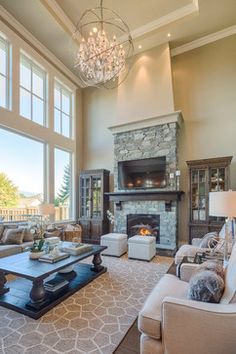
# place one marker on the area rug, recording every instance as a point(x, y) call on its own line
point(93, 320)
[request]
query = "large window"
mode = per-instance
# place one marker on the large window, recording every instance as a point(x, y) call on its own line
point(62, 110)
point(21, 175)
point(4, 73)
point(32, 91)
point(63, 183)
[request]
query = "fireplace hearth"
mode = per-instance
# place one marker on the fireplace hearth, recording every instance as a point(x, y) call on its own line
point(144, 225)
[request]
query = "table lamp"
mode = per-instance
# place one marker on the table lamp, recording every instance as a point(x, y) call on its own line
point(224, 204)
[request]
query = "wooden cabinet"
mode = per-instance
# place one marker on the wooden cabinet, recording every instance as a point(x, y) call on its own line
point(93, 204)
point(205, 176)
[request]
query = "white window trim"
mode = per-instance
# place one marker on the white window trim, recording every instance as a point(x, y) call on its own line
point(61, 87)
point(12, 120)
point(33, 65)
point(8, 71)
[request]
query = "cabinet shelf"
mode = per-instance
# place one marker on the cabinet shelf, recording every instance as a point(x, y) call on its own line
point(205, 176)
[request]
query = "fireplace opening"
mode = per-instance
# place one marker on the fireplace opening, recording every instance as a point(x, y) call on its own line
point(144, 225)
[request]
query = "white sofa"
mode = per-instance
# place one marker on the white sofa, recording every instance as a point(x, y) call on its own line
point(172, 324)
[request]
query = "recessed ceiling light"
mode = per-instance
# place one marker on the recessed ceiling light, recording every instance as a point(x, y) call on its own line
point(168, 35)
point(139, 47)
point(95, 29)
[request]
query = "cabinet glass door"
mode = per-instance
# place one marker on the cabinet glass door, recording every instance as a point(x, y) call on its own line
point(96, 197)
point(217, 179)
point(85, 207)
point(198, 193)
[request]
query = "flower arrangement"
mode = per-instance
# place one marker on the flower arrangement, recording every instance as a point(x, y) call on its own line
point(38, 246)
point(110, 217)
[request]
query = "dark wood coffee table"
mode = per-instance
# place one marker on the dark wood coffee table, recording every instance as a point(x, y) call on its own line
point(26, 294)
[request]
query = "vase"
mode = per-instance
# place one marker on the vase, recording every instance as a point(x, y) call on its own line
point(36, 255)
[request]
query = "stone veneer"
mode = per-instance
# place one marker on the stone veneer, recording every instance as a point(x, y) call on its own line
point(154, 140)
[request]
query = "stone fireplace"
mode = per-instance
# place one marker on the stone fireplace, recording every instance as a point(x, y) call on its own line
point(155, 139)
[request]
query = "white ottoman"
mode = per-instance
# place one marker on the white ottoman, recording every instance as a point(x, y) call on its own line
point(116, 244)
point(142, 247)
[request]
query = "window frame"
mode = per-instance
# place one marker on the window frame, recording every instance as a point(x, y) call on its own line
point(72, 186)
point(7, 45)
point(61, 87)
point(34, 67)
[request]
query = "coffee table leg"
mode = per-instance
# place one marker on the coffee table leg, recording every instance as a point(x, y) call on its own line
point(97, 261)
point(38, 292)
point(3, 281)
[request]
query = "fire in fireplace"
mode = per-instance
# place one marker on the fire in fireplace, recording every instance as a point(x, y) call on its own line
point(144, 225)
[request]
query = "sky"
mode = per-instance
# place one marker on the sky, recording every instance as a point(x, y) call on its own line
point(21, 159)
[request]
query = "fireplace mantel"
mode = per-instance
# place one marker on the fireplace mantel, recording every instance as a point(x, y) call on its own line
point(123, 196)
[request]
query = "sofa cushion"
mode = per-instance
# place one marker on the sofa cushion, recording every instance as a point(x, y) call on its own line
point(229, 295)
point(12, 237)
point(206, 286)
point(9, 250)
point(149, 320)
point(27, 235)
point(1, 230)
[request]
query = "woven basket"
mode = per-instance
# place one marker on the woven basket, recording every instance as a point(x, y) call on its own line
point(73, 235)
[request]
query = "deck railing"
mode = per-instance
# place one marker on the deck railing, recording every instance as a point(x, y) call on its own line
point(22, 214)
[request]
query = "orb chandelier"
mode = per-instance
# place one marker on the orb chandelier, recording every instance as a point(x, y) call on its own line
point(104, 48)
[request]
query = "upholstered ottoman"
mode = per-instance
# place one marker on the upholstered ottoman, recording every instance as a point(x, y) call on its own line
point(142, 247)
point(116, 244)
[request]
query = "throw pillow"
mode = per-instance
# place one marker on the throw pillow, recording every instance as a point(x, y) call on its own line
point(208, 240)
point(12, 236)
point(214, 266)
point(1, 230)
point(27, 235)
point(206, 286)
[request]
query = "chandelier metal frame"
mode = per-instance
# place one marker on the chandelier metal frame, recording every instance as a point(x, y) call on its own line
point(102, 59)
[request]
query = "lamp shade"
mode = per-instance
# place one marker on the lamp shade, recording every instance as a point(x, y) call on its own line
point(47, 209)
point(222, 204)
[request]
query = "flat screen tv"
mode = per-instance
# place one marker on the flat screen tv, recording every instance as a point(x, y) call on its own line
point(142, 174)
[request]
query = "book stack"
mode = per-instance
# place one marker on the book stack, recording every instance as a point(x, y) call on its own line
point(53, 258)
point(56, 285)
point(76, 249)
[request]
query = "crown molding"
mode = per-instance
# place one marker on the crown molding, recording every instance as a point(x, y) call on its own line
point(173, 16)
point(165, 20)
point(59, 15)
point(213, 37)
point(34, 43)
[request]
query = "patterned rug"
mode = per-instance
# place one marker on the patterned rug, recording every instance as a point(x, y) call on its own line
point(93, 320)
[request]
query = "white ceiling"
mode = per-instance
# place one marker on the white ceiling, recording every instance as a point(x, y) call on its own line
point(149, 20)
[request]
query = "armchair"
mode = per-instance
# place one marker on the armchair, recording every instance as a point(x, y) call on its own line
point(172, 324)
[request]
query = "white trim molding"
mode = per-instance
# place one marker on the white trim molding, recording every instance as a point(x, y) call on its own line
point(171, 17)
point(174, 117)
point(213, 37)
point(165, 20)
point(25, 35)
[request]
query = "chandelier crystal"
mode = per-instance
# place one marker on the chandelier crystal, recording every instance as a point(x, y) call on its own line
point(104, 47)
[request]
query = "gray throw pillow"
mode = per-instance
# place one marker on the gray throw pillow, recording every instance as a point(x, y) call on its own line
point(1, 230)
point(12, 237)
point(206, 286)
point(27, 235)
point(213, 265)
point(207, 238)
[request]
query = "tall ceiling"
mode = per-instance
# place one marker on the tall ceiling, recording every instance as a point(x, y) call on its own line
point(52, 21)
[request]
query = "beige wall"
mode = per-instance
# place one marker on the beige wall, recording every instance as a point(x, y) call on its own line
point(205, 90)
point(146, 92)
